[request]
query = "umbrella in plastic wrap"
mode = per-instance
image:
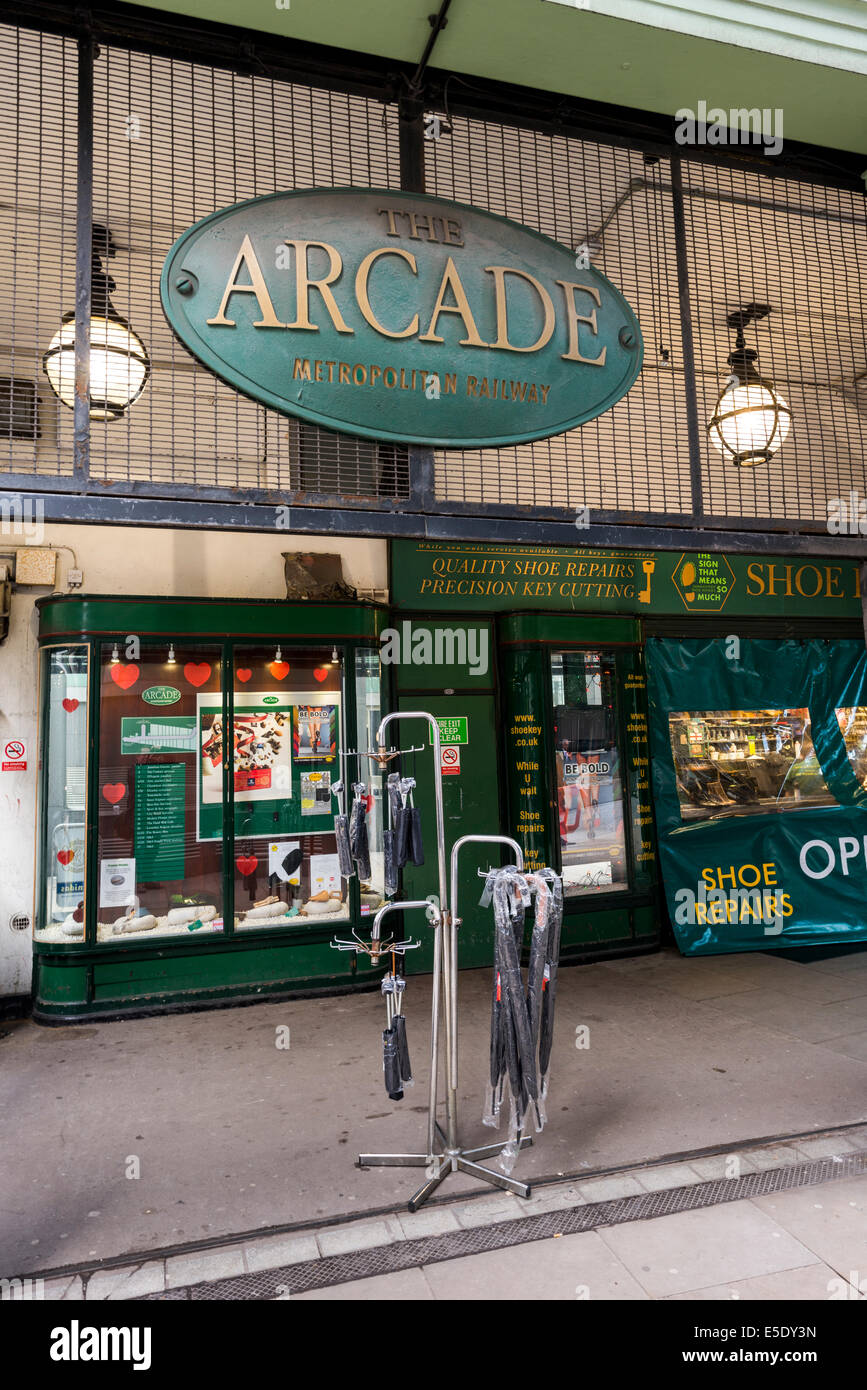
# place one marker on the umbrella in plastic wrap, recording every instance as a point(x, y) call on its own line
point(344, 853)
point(397, 1069)
point(358, 840)
point(509, 924)
point(549, 985)
point(390, 836)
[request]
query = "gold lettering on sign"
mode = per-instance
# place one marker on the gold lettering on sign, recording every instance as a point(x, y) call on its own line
point(414, 218)
point(574, 318)
point(390, 213)
point(247, 256)
point(304, 285)
point(362, 295)
point(452, 281)
point(499, 273)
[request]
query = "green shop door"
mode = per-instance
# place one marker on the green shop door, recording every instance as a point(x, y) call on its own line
point(471, 807)
point(471, 793)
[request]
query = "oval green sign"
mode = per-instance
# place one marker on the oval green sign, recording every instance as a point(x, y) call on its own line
point(270, 699)
point(399, 316)
point(161, 695)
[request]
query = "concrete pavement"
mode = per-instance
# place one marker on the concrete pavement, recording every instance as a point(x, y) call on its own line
point(179, 1133)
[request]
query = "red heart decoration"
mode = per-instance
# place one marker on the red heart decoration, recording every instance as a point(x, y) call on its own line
point(320, 674)
point(69, 705)
point(78, 914)
point(279, 669)
point(197, 672)
point(247, 864)
point(114, 792)
point(243, 674)
point(65, 856)
point(124, 676)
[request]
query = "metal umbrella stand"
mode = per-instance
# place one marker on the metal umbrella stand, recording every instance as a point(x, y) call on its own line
point(444, 1154)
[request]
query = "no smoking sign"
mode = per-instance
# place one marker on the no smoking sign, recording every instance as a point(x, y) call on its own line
point(450, 761)
point(14, 756)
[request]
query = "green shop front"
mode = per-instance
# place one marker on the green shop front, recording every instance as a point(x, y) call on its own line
point(188, 751)
point(682, 735)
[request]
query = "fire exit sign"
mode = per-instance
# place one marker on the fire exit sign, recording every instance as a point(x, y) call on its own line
point(454, 730)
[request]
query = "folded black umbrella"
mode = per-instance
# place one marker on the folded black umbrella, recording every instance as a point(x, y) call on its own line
point(401, 836)
point(416, 848)
point(344, 853)
point(391, 1064)
point(404, 1066)
point(390, 863)
point(358, 840)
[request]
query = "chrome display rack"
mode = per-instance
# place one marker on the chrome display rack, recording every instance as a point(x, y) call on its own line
point(444, 1154)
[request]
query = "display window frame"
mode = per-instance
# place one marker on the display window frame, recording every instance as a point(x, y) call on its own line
point(540, 637)
point(614, 892)
point(43, 709)
point(92, 642)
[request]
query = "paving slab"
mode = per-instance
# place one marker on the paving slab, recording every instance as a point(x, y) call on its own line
point(800, 1018)
point(830, 1221)
point(666, 1176)
point(728, 1165)
point(271, 1252)
point(68, 1288)
point(708, 1246)
point(204, 1265)
point(122, 1283)
point(565, 1269)
point(811, 1283)
point(855, 1045)
point(360, 1235)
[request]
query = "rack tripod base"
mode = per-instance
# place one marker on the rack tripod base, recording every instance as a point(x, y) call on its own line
point(451, 1161)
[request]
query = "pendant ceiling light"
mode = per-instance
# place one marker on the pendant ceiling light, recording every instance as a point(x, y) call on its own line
point(751, 420)
point(119, 364)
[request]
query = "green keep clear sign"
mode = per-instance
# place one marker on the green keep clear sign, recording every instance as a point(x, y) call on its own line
point(454, 730)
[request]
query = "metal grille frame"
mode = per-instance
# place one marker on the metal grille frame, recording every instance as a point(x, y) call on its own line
point(644, 470)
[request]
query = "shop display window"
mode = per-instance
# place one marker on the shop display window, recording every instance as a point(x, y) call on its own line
point(744, 762)
point(588, 773)
point(60, 908)
point(288, 725)
point(853, 727)
point(158, 873)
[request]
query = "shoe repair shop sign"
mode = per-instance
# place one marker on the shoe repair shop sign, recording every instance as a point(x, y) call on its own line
point(401, 317)
point(441, 575)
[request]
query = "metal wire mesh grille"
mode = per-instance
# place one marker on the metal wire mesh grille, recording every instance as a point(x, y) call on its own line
point(38, 98)
point(635, 457)
point(175, 141)
point(801, 250)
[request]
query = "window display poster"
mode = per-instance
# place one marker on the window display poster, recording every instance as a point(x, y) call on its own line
point(268, 802)
point(324, 873)
point(163, 734)
point(315, 793)
point(315, 732)
point(117, 883)
point(160, 795)
point(792, 875)
point(68, 847)
point(284, 860)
